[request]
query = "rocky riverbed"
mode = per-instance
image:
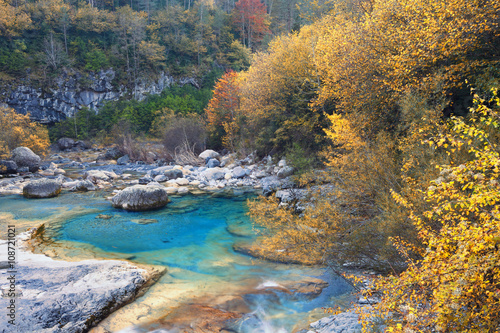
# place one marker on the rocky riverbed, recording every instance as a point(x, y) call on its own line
point(214, 173)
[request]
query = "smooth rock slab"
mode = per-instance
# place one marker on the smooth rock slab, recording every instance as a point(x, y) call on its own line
point(58, 296)
point(42, 188)
point(345, 322)
point(140, 198)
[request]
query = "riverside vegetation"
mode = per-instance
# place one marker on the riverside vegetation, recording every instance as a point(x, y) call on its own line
point(388, 111)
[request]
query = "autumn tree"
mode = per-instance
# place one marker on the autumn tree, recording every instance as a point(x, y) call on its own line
point(250, 17)
point(13, 19)
point(277, 92)
point(18, 130)
point(131, 30)
point(92, 19)
point(453, 287)
point(223, 110)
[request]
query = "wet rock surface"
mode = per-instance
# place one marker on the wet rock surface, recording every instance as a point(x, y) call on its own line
point(42, 188)
point(345, 322)
point(59, 296)
point(141, 198)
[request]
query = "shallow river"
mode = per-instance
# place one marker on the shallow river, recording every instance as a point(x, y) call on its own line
point(193, 238)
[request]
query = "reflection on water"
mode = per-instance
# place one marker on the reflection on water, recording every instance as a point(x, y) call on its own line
point(193, 237)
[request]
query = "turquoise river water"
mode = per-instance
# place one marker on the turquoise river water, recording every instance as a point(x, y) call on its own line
point(193, 237)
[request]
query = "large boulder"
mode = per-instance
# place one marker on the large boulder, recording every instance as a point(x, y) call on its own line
point(345, 322)
point(140, 198)
point(173, 174)
point(213, 174)
point(84, 186)
point(212, 163)
point(113, 153)
point(24, 157)
point(239, 172)
point(62, 296)
point(95, 175)
point(65, 143)
point(285, 171)
point(42, 188)
point(123, 160)
point(7, 167)
point(209, 154)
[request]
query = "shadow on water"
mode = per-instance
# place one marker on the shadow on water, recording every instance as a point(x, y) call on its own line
point(193, 237)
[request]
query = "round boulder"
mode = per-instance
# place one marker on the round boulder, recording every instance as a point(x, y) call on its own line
point(140, 198)
point(24, 157)
point(42, 188)
point(209, 154)
point(212, 163)
point(7, 167)
point(65, 143)
point(84, 186)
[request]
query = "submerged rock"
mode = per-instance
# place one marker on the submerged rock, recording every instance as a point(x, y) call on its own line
point(42, 188)
point(140, 197)
point(24, 157)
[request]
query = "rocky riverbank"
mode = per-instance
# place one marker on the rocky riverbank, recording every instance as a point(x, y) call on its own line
point(61, 296)
point(213, 173)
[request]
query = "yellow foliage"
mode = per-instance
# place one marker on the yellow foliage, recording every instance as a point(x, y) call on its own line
point(18, 130)
point(343, 222)
point(366, 62)
point(455, 286)
point(13, 19)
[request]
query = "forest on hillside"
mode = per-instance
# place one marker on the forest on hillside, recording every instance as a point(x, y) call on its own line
point(139, 38)
point(388, 110)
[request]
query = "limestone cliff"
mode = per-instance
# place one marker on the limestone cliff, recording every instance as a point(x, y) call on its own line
point(71, 92)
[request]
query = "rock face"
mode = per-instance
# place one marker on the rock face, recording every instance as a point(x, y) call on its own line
point(42, 188)
point(24, 157)
point(140, 198)
point(70, 94)
point(58, 296)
